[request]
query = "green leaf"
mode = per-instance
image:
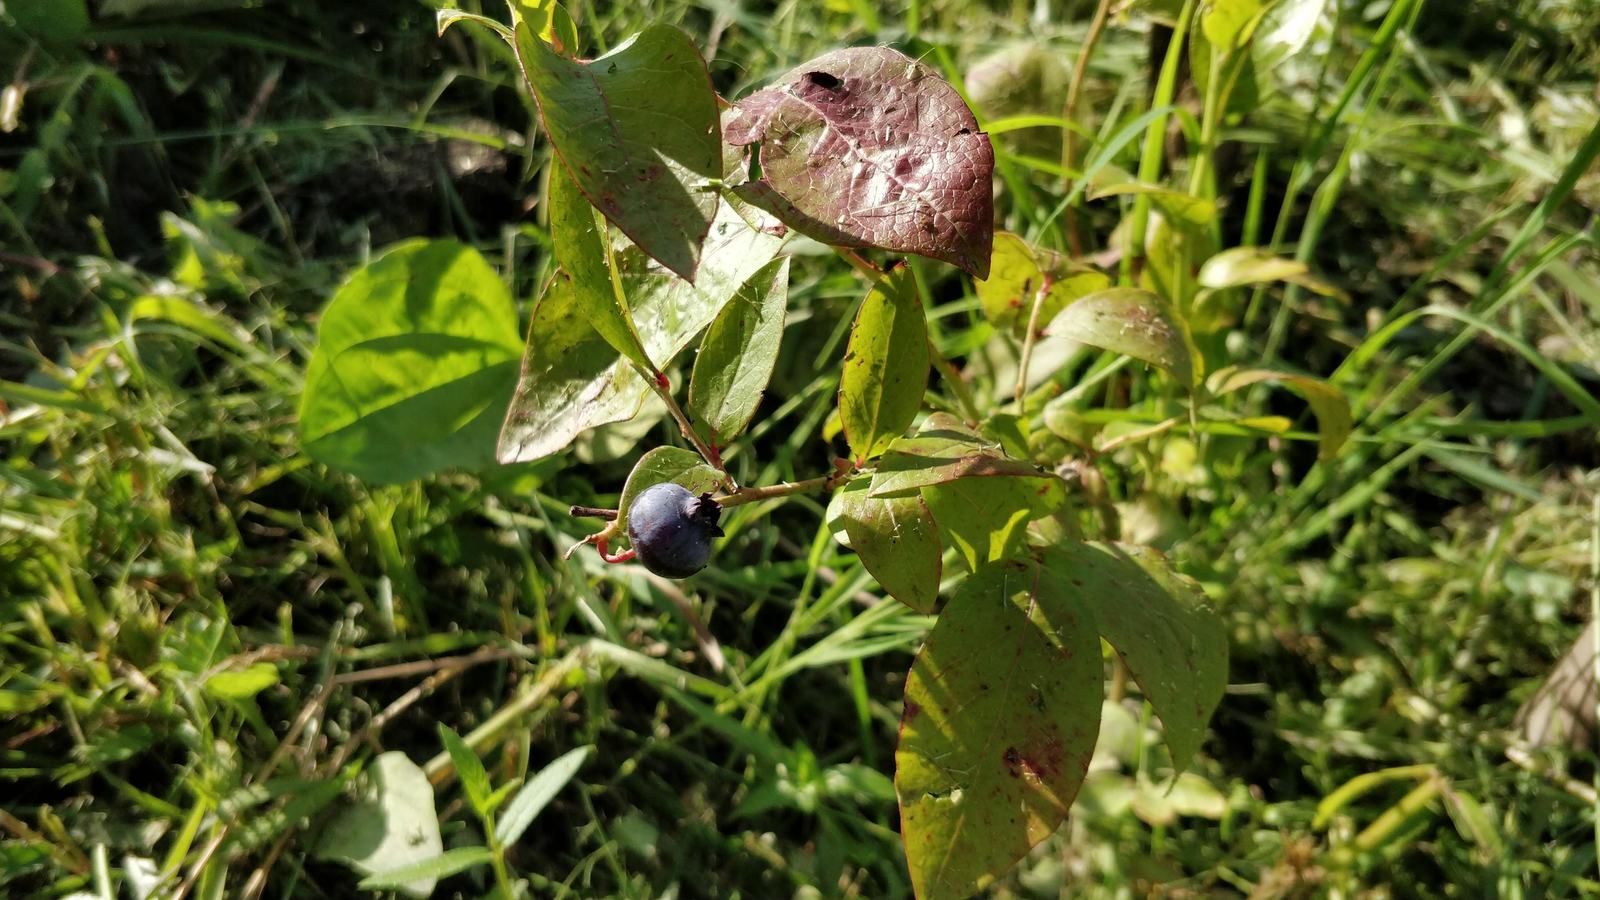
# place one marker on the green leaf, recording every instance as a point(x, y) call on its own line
point(1001, 713)
point(442, 866)
point(1181, 207)
point(1175, 645)
point(537, 794)
point(1328, 403)
point(660, 465)
point(414, 365)
point(572, 380)
point(549, 20)
point(897, 541)
point(1018, 269)
point(469, 771)
point(638, 130)
point(244, 683)
point(738, 353)
point(885, 366)
point(394, 824)
point(942, 455)
point(1238, 266)
point(986, 519)
point(1128, 321)
point(584, 251)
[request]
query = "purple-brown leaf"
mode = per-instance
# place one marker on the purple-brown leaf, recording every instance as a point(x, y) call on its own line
point(866, 147)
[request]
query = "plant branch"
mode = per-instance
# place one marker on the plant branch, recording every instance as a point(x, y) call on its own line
point(1028, 339)
point(663, 388)
point(842, 470)
point(1069, 149)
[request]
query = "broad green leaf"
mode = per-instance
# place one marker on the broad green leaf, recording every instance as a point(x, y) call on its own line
point(638, 130)
point(939, 456)
point(537, 794)
point(1001, 713)
point(469, 771)
point(1285, 30)
point(897, 541)
point(583, 250)
point(414, 365)
point(1175, 645)
point(1185, 208)
point(986, 519)
point(737, 354)
point(243, 683)
point(1017, 271)
point(573, 381)
point(866, 147)
point(442, 866)
point(1328, 403)
point(1128, 321)
point(392, 825)
point(1238, 266)
point(664, 464)
point(885, 366)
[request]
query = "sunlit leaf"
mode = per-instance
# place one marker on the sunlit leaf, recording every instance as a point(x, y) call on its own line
point(415, 363)
point(1328, 403)
point(433, 868)
point(392, 825)
point(985, 519)
point(638, 130)
point(583, 250)
point(1174, 644)
point(537, 794)
point(897, 541)
point(737, 354)
point(1238, 266)
point(572, 380)
point(1018, 270)
point(1181, 207)
point(1128, 321)
point(242, 684)
point(866, 147)
point(885, 365)
point(1002, 707)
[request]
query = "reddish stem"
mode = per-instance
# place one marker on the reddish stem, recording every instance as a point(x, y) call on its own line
point(609, 557)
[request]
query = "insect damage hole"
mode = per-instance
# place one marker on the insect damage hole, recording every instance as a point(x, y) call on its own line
point(823, 80)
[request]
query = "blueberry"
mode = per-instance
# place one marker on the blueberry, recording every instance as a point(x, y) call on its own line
point(671, 529)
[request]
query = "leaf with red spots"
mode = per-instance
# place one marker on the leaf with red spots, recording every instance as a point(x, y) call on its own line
point(638, 129)
point(1175, 644)
point(885, 365)
point(866, 147)
point(1001, 714)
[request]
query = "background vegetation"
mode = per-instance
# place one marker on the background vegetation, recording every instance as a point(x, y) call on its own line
point(203, 634)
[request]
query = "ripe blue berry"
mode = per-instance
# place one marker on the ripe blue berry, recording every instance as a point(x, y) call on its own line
point(671, 529)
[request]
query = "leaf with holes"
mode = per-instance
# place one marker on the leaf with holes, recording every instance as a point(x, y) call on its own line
point(572, 380)
point(866, 147)
point(638, 130)
point(1018, 271)
point(583, 249)
point(1328, 403)
point(415, 363)
point(897, 541)
point(737, 354)
point(885, 366)
point(1002, 708)
point(1128, 321)
point(1175, 645)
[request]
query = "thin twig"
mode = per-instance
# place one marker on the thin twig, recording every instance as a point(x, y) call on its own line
point(1069, 149)
point(1031, 337)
